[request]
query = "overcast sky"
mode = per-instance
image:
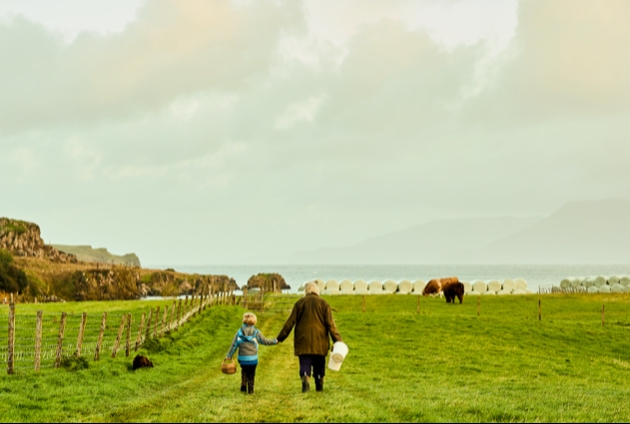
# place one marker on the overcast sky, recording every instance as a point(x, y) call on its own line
point(236, 131)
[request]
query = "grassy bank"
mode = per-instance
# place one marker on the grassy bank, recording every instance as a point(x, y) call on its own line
point(443, 364)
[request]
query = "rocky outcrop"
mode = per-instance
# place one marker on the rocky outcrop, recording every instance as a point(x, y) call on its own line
point(267, 282)
point(23, 238)
point(165, 283)
point(118, 283)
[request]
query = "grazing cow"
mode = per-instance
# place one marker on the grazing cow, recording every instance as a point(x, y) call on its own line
point(453, 289)
point(436, 285)
point(141, 362)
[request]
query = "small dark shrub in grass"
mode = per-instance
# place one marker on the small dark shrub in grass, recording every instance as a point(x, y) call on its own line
point(73, 363)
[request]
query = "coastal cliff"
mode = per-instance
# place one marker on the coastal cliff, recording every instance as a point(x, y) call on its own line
point(35, 270)
point(89, 254)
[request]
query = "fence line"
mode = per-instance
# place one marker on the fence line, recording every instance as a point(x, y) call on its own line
point(44, 340)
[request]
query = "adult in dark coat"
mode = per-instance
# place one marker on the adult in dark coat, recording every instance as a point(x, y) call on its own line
point(313, 321)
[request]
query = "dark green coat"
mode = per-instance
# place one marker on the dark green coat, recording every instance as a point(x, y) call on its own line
point(313, 321)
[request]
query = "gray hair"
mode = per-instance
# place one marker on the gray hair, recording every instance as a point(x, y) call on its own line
point(311, 287)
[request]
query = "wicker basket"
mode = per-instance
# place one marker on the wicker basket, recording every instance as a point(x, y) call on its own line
point(228, 366)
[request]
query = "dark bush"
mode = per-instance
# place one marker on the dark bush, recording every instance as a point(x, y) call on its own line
point(12, 279)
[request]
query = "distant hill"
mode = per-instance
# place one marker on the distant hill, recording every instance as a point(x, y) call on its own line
point(89, 254)
point(432, 242)
point(581, 232)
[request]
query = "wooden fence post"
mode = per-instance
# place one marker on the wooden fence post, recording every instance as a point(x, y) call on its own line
point(118, 337)
point(172, 320)
point(38, 340)
point(81, 333)
point(186, 309)
point(179, 311)
point(603, 315)
point(62, 329)
point(128, 344)
point(478, 305)
point(164, 317)
point(418, 305)
point(140, 328)
point(245, 298)
point(148, 335)
point(11, 339)
point(97, 351)
point(155, 324)
point(539, 311)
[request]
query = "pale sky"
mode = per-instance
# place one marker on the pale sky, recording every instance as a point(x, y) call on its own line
point(239, 131)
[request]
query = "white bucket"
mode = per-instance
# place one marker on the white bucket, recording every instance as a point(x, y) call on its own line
point(338, 354)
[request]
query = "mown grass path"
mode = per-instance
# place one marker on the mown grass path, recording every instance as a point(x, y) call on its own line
point(443, 364)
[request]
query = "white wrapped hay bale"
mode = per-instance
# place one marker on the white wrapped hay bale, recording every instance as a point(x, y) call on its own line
point(494, 286)
point(626, 289)
point(375, 287)
point(625, 280)
point(599, 281)
point(480, 286)
point(503, 292)
point(521, 284)
point(331, 292)
point(529, 291)
point(321, 284)
point(467, 287)
point(589, 281)
point(473, 293)
point(405, 287)
point(616, 288)
point(489, 293)
point(613, 279)
point(576, 282)
point(360, 285)
point(592, 289)
point(508, 285)
point(604, 289)
point(332, 285)
point(418, 286)
point(390, 286)
point(518, 291)
point(362, 291)
point(565, 283)
point(346, 287)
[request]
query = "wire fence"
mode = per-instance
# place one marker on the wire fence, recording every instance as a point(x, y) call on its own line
point(37, 340)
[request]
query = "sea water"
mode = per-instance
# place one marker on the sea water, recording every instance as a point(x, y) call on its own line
point(296, 275)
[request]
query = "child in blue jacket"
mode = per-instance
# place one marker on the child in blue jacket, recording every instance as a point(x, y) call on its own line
point(246, 341)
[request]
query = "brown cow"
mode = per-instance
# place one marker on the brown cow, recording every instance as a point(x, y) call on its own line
point(436, 285)
point(453, 289)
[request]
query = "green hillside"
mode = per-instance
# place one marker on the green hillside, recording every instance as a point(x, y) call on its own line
point(89, 254)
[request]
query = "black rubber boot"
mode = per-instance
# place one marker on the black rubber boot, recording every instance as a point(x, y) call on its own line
point(305, 384)
point(250, 386)
point(319, 384)
point(243, 382)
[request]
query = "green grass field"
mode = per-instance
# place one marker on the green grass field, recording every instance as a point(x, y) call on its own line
point(443, 364)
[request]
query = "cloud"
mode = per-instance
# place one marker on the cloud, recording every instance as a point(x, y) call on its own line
point(567, 59)
point(172, 49)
